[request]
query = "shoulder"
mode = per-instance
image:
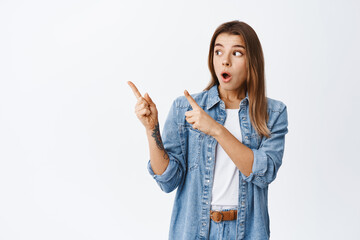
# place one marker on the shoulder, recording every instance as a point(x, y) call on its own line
point(278, 117)
point(199, 97)
point(275, 105)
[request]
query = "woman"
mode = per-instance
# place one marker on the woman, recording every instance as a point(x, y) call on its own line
point(222, 147)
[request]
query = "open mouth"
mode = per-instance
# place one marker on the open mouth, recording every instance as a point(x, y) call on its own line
point(226, 75)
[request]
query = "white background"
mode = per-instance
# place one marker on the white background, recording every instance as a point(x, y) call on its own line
point(73, 154)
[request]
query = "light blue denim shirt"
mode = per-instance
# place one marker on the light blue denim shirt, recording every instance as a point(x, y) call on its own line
point(192, 162)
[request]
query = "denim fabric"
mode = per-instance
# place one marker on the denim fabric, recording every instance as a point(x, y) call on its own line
point(192, 162)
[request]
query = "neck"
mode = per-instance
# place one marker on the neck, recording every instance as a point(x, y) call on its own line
point(231, 95)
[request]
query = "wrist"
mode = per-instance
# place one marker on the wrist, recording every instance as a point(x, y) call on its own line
point(149, 130)
point(217, 130)
point(152, 129)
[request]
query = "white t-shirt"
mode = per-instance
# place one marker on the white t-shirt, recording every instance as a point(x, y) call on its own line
point(226, 176)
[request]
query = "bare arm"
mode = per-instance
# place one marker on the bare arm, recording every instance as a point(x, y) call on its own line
point(146, 111)
point(159, 159)
point(241, 155)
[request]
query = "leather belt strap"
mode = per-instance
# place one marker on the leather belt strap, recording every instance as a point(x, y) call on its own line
point(218, 216)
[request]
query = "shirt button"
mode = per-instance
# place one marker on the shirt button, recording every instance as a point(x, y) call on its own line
point(207, 180)
point(204, 223)
point(207, 202)
point(209, 158)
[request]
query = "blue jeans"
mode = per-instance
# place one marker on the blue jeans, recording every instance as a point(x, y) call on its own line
point(224, 230)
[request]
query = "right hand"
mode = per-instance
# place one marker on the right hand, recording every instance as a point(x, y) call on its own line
point(145, 109)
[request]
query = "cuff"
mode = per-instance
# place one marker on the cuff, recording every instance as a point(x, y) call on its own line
point(259, 166)
point(170, 171)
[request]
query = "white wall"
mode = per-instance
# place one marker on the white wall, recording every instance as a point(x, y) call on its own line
point(73, 154)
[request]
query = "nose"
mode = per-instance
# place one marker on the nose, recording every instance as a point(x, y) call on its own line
point(225, 62)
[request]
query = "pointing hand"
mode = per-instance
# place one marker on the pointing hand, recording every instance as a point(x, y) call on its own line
point(145, 108)
point(199, 118)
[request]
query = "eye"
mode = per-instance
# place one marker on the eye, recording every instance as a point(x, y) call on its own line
point(234, 52)
point(239, 52)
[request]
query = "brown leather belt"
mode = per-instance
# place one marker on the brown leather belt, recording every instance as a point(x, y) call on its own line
point(218, 216)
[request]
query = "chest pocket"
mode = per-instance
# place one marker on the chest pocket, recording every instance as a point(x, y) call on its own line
point(255, 140)
point(194, 139)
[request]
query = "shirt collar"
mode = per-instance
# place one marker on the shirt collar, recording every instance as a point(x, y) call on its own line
point(213, 97)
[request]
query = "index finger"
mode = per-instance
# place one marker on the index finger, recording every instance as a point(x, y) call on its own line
point(192, 102)
point(134, 89)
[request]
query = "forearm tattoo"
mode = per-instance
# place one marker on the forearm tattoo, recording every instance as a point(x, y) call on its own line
point(156, 135)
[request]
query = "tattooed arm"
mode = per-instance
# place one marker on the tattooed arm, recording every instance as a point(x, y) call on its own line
point(159, 159)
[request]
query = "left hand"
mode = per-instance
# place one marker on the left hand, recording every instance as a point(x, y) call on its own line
point(199, 118)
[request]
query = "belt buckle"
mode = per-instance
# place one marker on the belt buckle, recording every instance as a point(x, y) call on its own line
point(221, 214)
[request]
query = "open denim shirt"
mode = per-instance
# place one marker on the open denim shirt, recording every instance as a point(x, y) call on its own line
point(192, 161)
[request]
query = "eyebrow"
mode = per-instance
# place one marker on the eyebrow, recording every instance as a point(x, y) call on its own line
point(241, 46)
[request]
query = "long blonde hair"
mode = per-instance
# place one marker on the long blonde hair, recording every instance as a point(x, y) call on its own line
point(255, 82)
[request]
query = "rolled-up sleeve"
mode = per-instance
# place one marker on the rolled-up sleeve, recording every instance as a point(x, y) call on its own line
point(268, 157)
point(175, 171)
